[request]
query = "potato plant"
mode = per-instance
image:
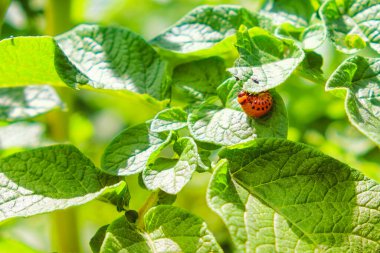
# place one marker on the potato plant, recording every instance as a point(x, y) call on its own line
point(273, 194)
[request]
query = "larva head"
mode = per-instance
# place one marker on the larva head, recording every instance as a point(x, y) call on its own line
point(255, 105)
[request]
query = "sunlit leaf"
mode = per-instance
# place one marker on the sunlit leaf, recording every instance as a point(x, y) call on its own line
point(277, 195)
point(129, 152)
point(265, 61)
point(206, 29)
point(224, 123)
point(167, 229)
point(26, 102)
point(115, 58)
point(47, 179)
point(171, 175)
point(351, 24)
point(361, 78)
point(21, 135)
point(40, 61)
point(169, 119)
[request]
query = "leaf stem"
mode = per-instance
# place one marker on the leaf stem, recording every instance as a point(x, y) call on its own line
point(149, 203)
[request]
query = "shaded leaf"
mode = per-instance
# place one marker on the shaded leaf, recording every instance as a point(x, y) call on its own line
point(118, 196)
point(197, 80)
point(97, 240)
point(311, 67)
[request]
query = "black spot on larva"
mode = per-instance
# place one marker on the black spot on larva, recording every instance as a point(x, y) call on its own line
point(258, 109)
point(266, 107)
point(253, 107)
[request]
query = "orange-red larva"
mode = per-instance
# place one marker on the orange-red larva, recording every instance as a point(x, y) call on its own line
point(255, 105)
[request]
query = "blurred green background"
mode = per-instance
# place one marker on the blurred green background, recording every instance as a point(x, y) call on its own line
point(91, 119)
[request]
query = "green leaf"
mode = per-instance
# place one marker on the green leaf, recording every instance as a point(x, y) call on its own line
point(311, 67)
point(308, 38)
point(265, 61)
point(207, 30)
point(351, 24)
point(10, 245)
point(197, 80)
point(292, 198)
point(295, 20)
point(226, 124)
point(132, 149)
point(360, 77)
point(39, 60)
point(165, 198)
point(27, 102)
point(97, 240)
point(204, 163)
point(354, 41)
point(313, 36)
point(294, 12)
point(115, 58)
point(167, 229)
point(170, 119)
point(171, 175)
point(229, 201)
point(47, 179)
point(118, 196)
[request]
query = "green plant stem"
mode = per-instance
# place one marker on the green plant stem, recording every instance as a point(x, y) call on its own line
point(3, 9)
point(65, 231)
point(58, 14)
point(149, 203)
point(65, 235)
